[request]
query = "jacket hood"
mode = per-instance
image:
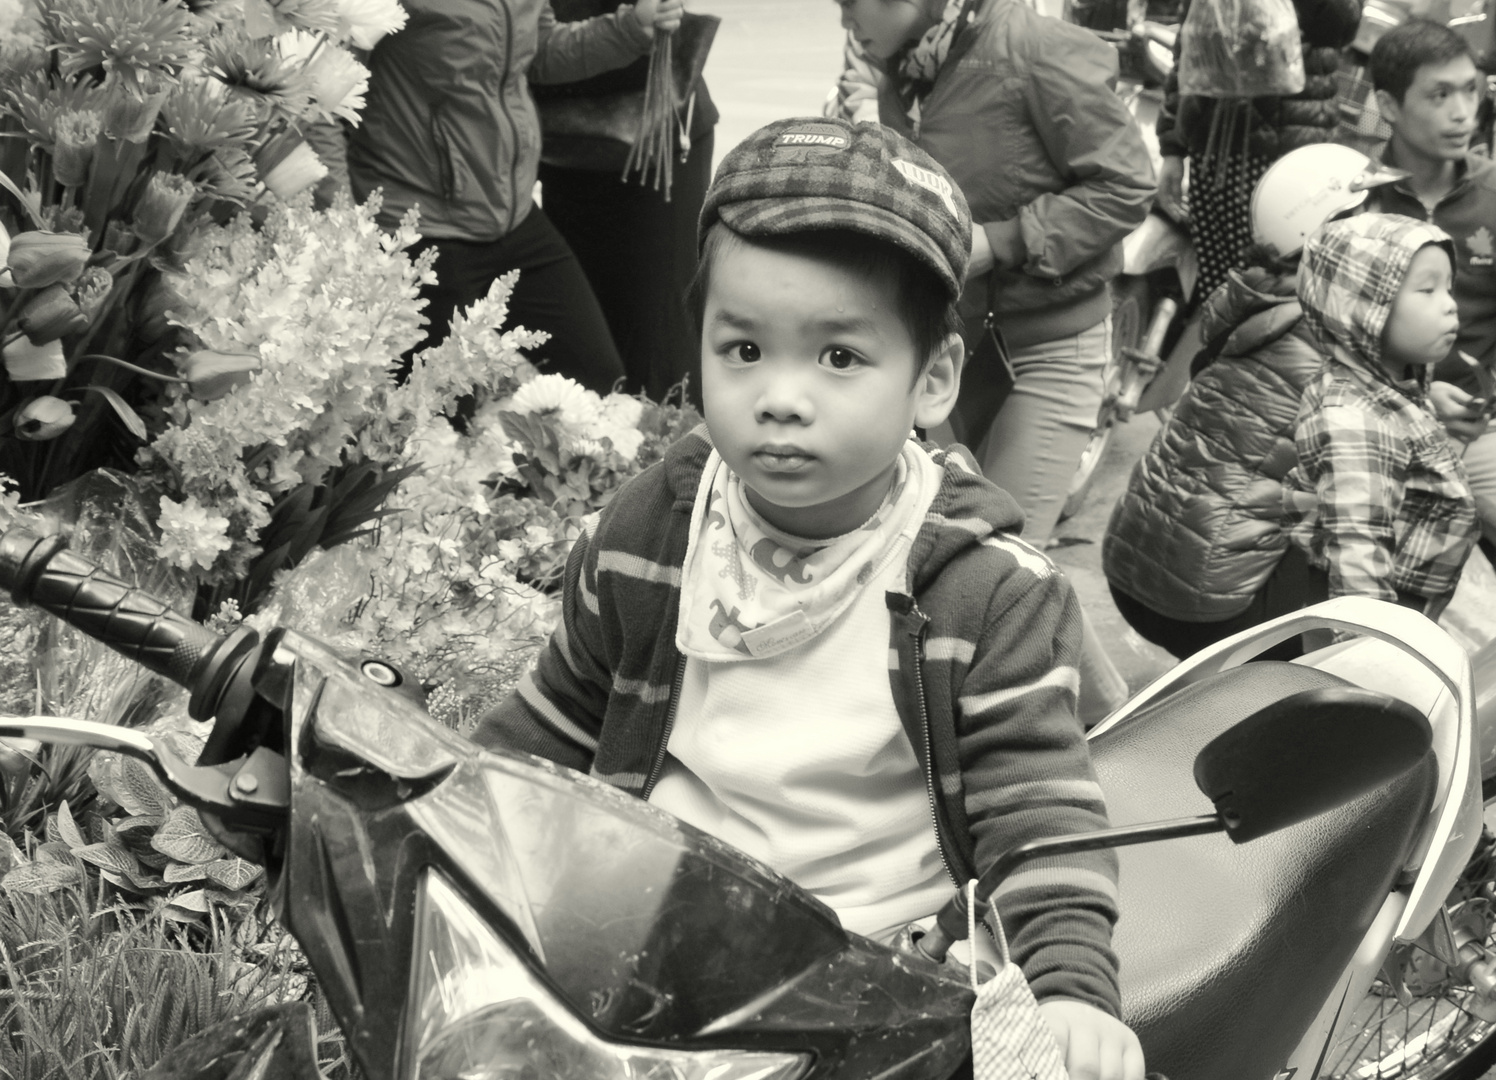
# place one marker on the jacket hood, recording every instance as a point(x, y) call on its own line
point(968, 508)
point(1255, 306)
point(1350, 274)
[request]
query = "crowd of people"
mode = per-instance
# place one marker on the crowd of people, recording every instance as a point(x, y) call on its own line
point(936, 254)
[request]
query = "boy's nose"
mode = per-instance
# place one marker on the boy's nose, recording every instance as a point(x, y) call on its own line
point(783, 400)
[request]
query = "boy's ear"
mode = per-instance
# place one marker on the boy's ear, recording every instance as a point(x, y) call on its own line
point(1389, 107)
point(939, 384)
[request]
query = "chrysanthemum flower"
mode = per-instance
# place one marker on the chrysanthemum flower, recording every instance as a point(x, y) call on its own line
point(73, 152)
point(558, 396)
point(202, 117)
point(125, 38)
point(229, 174)
point(131, 112)
point(338, 82)
point(266, 18)
point(37, 100)
point(364, 22)
point(256, 71)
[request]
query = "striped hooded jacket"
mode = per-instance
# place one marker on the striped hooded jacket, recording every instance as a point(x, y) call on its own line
point(982, 664)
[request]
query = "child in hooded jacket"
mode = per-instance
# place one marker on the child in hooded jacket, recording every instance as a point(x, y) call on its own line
point(1379, 497)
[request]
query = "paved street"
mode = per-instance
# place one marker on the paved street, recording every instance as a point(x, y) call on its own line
point(777, 58)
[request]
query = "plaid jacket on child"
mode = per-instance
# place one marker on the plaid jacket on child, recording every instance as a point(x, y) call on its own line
point(1379, 495)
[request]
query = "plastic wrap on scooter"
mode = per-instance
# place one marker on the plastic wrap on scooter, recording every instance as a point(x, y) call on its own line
point(647, 929)
point(1269, 926)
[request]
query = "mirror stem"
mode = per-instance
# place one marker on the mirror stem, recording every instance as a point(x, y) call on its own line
point(950, 924)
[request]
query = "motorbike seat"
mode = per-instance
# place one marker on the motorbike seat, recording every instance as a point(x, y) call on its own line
point(1227, 952)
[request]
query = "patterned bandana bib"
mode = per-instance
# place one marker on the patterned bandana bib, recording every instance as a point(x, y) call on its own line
point(749, 590)
point(925, 58)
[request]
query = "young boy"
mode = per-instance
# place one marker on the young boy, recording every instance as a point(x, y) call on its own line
point(1428, 89)
point(1378, 497)
point(814, 637)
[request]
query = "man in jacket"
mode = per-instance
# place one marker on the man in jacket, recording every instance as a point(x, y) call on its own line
point(1428, 89)
point(450, 128)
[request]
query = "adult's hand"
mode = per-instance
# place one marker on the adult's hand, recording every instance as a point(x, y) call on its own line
point(1462, 414)
point(1171, 189)
point(659, 15)
point(981, 253)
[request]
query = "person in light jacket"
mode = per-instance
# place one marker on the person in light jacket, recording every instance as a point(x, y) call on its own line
point(1020, 110)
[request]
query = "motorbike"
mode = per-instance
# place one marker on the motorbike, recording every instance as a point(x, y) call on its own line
point(474, 914)
point(1159, 264)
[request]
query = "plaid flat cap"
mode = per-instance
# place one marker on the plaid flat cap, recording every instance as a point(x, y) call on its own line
point(817, 173)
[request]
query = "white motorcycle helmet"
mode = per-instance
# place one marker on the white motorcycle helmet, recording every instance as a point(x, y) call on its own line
point(1307, 187)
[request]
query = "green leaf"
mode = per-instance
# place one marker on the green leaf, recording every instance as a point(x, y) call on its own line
point(233, 874)
point(112, 857)
point(138, 785)
point(40, 878)
point(150, 822)
point(177, 873)
point(133, 423)
point(31, 202)
point(10, 855)
point(145, 882)
point(194, 900)
point(184, 838)
point(54, 851)
point(68, 829)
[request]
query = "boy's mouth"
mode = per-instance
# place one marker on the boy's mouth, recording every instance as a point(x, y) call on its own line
point(782, 458)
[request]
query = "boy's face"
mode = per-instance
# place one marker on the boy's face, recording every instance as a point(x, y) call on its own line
point(883, 27)
point(1436, 117)
point(808, 378)
point(1422, 325)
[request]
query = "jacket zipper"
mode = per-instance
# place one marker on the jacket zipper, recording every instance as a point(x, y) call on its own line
point(659, 761)
point(924, 724)
point(504, 111)
point(924, 720)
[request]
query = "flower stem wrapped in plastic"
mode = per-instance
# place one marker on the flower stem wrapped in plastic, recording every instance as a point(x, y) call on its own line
point(1240, 49)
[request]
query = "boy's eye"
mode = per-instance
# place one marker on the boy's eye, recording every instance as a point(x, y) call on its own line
point(840, 359)
point(745, 351)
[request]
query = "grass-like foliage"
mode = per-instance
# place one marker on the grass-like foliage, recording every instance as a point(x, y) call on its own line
point(92, 989)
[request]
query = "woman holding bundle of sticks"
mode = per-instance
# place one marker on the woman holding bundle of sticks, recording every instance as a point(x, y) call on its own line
point(450, 127)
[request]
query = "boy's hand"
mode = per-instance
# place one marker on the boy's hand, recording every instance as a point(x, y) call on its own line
point(1462, 414)
point(663, 16)
point(1095, 1046)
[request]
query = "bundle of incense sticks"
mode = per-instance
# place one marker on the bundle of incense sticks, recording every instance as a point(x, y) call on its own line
point(651, 154)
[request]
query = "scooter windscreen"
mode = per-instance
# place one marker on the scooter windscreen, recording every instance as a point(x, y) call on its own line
point(464, 909)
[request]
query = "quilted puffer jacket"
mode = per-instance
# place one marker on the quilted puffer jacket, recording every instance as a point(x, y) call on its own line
point(1279, 124)
point(1197, 532)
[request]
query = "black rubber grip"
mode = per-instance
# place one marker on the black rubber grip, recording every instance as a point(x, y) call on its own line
point(40, 571)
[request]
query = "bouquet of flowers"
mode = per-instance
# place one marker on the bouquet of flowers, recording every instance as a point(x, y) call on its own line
point(459, 584)
point(125, 125)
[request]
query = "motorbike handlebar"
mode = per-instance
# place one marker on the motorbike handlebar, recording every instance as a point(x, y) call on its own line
point(41, 571)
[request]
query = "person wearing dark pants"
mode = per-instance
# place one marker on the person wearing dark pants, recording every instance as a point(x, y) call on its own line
point(552, 294)
point(450, 129)
point(639, 253)
point(637, 249)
